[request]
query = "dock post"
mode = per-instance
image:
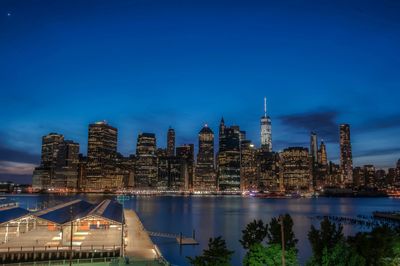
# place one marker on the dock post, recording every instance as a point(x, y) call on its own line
point(180, 239)
point(194, 234)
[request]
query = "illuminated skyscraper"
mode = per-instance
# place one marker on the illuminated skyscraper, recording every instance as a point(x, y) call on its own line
point(322, 154)
point(296, 169)
point(266, 139)
point(369, 176)
point(346, 158)
point(314, 157)
point(186, 154)
point(205, 177)
point(146, 161)
point(269, 172)
point(314, 147)
point(171, 142)
point(248, 167)
point(59, 164)
point(228, 163)
point(50, 149)
point(101, 157)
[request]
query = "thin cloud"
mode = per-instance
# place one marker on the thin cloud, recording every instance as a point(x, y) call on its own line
point(16, 168)
point(323, 122)
point(10, 154)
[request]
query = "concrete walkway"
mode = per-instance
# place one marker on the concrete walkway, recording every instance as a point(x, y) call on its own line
point(137, 240)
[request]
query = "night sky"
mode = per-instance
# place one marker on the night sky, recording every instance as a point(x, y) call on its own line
point(145, 65)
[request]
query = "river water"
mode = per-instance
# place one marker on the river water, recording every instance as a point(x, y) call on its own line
point(226, 216)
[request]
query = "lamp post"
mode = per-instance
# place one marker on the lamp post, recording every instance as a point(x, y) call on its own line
point(70, 246)
point(283, 240)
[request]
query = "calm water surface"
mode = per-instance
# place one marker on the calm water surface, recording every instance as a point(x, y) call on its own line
point(227, 216)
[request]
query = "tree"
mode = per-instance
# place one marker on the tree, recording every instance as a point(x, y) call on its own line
point(275, 235)
point(217, 254)
point(340, 255)
point(378, 246)
point(325, 238)
point(254, 233)
point(259, 255)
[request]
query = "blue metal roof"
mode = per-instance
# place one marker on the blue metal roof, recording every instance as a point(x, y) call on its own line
point(111, 210)
point(66, 212)
point(12, 213)
point(114, 211)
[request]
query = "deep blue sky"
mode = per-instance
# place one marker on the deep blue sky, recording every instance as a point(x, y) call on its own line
point(144, 65)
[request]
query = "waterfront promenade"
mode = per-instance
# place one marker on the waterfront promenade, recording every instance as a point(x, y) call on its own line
point(138, 243)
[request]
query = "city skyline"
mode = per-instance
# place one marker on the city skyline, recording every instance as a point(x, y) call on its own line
point(319, 65)
point(236, 165)
point(179, 143)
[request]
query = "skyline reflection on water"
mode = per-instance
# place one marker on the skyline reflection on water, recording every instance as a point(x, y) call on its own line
point(212, 216)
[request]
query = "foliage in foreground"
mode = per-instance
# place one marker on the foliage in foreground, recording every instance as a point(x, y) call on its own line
point(254, 233)
point(217, 254)
point(259, 255)
point(340, 255)
point(275, 236)
point(380, 247)
point(324, 239)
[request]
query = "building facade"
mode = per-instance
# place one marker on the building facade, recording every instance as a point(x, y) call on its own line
point(171, 142)
point(296, 167)
point(228, 157)
point(101, 158)
point(248, 167)
point(266, 133)
point(346, 157)
point(186, 154)
point(205, 176)
point(58, 169)
point(146, 175)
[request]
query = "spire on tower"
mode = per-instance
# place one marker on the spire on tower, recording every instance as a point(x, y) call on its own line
point(265, 106)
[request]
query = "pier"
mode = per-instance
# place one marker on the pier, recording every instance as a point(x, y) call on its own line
point(78, 232)
point(182, 240)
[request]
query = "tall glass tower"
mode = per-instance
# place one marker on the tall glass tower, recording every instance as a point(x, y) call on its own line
point(266, 139)
point(346, 158)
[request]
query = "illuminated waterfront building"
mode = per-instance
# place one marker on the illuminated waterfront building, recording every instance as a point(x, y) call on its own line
point(334, 175)
point(248, 167)
point(66, 172)
point(146, 161)
point(296, 167)
point(186, 154)
point(346, 158)
point(178, 174)
point(125, 169)
point(391, 177)
point(266, 135)
point(171, 142)
point(101, 158)
point(269, 171)
point(205, 177)
point(163, 174)
point(370, 176)
point(322, 154)
point(358, 177)
point(314, 147)
point(314, 157)
point(322, 167)
point(59, 164)
point(228, 158)
point(50, 149)
point(175, 172)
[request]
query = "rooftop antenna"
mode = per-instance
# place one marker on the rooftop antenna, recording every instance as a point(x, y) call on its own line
point(265, 106)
